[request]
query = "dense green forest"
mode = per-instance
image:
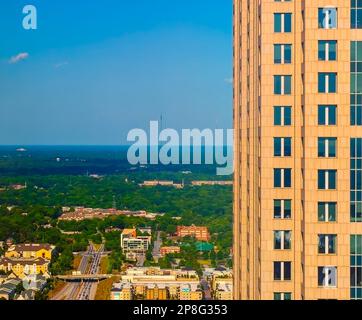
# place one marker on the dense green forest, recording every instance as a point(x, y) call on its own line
point(31, 214)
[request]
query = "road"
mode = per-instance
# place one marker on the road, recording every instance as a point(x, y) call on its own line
point(88, 288)
point(83, 290)
point(156, 247)
point(206, 289)
point(141, 258)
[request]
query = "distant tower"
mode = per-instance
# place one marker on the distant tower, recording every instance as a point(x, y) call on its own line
point(114, 205)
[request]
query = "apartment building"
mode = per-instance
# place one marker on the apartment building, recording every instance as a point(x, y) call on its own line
point(164, 251)
point(23, 267)
point(200, 233)
point(30, 250)
point(298, 149)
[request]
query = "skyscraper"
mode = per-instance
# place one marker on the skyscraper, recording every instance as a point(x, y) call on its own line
point(298, 149)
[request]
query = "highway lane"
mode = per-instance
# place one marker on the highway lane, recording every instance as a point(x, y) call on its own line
point(70, 291)
point(87, 287)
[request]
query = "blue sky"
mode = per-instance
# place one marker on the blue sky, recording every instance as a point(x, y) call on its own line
point(95, 69)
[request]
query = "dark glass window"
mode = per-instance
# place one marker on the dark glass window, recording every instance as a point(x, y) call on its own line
point(327, 179)
point(327, 244)
point(282, 22)
point(282, 271)
point(327, 50)
point(327, 115)
point(356, 14)
point(356, 83)
point(327, 82)
point(327, 211)
point(327, 147)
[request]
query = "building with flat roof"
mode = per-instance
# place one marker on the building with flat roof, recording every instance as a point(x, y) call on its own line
point(169, 250)
point(200, 233)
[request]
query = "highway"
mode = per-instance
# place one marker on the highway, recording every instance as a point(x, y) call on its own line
point(88, 287)
point(83, 290)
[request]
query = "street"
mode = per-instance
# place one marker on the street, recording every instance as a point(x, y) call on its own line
point(83, 290)
point(156, 247)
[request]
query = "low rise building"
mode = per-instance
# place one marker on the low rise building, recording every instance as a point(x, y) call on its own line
point(224, 291)
point(29, 251)
point(25, 295)
point(122, 291)
point(204, 246)
point(156, 292)
point(169, 250)
point(132, 244)
point(35, 282)
point(22, 267)
point(160, 284)
point(156, 183)
point(200, 233)
point(190, 292)
point(8, 289)
point(27, 259)
point(212, 183)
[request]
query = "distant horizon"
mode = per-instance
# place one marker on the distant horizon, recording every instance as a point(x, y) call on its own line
point(97, 145)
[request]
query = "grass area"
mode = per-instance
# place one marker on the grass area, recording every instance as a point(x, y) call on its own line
point(204, 262)
point(96, 246)
point(104, 289)
point(104, 265)
point(76, 261)
point(59, 285)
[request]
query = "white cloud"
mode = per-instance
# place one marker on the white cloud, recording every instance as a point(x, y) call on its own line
point(229, 80)
point(61, 64)
point(19, 57)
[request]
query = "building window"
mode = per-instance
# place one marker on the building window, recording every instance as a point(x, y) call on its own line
point(278, 296)
point(282, 271)
point(327, 82)
point(327, 50)
point(356, 267)
point(282, 240)
point(356, 180)
point(327, 277)
point(327, 147)
point(327, 244)
point(282, 209)
point(327, 115)
point(327, 18)
point(282, 178)
point(282, 116)
point(327, 211)
point(356, 14)
point(282, 53)
point(282, 147)
point(327, 179)
point(356, 83)
point(282, 84)
point(282, 22)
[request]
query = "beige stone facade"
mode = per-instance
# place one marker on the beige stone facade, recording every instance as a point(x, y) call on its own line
point(257, 262)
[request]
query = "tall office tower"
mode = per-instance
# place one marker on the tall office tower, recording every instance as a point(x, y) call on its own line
point(298, 149)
